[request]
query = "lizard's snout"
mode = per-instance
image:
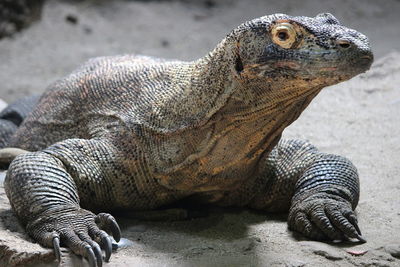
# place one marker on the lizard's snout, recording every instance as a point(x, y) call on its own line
point(355, 51)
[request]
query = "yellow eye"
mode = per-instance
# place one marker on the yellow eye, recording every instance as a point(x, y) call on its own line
point(283, 34)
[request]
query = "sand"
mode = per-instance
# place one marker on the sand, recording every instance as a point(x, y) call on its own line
point(358, 119)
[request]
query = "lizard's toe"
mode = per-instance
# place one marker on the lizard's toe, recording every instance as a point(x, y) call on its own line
point(345, 221)
point(325, 219)
point(103, 239)
point(45, 236)
point(109, 224)
point(301, 223)
point(56, 246)
point(353, 220)
point(77, 242)
point(95, 247)
point(77, 230)
point(320, 219)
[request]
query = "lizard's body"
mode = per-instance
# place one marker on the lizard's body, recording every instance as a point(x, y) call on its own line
point(221, 155)
point(133, 132)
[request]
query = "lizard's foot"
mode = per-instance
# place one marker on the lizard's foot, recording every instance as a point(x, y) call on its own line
point(77, 229)
point(323, 217)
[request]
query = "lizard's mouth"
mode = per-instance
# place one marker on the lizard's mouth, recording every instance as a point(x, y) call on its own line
point(292, 65)
point(367, 57)
point(313, 63)
point(326, 67)
point(288, 64)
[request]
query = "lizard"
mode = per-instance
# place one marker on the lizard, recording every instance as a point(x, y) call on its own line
point(132, 133)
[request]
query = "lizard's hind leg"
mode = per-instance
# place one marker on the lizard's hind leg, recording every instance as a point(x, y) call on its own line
point(7, 129)
point(13, 115)
point(10, 119)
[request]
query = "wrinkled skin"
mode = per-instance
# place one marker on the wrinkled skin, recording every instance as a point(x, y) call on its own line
point(137, 133)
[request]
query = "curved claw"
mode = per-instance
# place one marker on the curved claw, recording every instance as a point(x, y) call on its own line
point(94, 246)
point(99, 257)
point(347, 226)
point(357, 228)
point(107, 247)
point(115, 230)
point(361, 239)
point(353, 221)
point(106, 220)
point(56, 246)
point(91, 256)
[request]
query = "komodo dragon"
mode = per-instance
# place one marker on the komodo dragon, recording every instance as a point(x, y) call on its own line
point(136, 133)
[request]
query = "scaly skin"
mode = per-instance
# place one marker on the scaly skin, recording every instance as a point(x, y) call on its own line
point(136, 133)
point(13, 115)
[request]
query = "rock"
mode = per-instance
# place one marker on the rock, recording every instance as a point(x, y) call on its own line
point(3, 104)
point(393, 249)
point(15, 248)
point(322, 249)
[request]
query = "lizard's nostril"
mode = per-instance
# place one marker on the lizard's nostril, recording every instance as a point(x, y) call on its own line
point(343, 43)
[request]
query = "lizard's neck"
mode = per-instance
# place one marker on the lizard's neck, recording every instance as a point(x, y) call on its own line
point(214, 87)
point(196, 91)
point(211, 79)
point(231, 122)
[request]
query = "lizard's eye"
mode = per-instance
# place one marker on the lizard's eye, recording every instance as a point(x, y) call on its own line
point(283, 34)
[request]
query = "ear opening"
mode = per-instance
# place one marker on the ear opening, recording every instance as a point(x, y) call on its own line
point(238, 64)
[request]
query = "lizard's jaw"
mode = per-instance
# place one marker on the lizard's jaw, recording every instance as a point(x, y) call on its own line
point(310, 65)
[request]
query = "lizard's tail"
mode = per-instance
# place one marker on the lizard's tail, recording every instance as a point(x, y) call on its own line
point(10, 119)
point(8, 154)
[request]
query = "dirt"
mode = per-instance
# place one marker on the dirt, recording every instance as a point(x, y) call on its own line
point(358, 119)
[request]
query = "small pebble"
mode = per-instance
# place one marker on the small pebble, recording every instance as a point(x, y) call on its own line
point(164, 43)
point(71, 19)
point(209, 4)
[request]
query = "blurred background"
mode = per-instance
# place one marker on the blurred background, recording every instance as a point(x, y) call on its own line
point(57, 36)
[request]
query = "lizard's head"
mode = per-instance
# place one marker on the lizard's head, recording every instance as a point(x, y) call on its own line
point(317, 50)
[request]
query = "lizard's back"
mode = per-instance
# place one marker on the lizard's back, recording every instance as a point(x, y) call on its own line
point(94, 100)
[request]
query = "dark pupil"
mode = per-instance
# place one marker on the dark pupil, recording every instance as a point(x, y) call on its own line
point(283, 36)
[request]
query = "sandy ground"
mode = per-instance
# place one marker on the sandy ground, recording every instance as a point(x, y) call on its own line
point(358, 119)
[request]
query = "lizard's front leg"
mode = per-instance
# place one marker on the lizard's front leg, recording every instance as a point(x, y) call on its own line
point(43, 191)
point(321, 189)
